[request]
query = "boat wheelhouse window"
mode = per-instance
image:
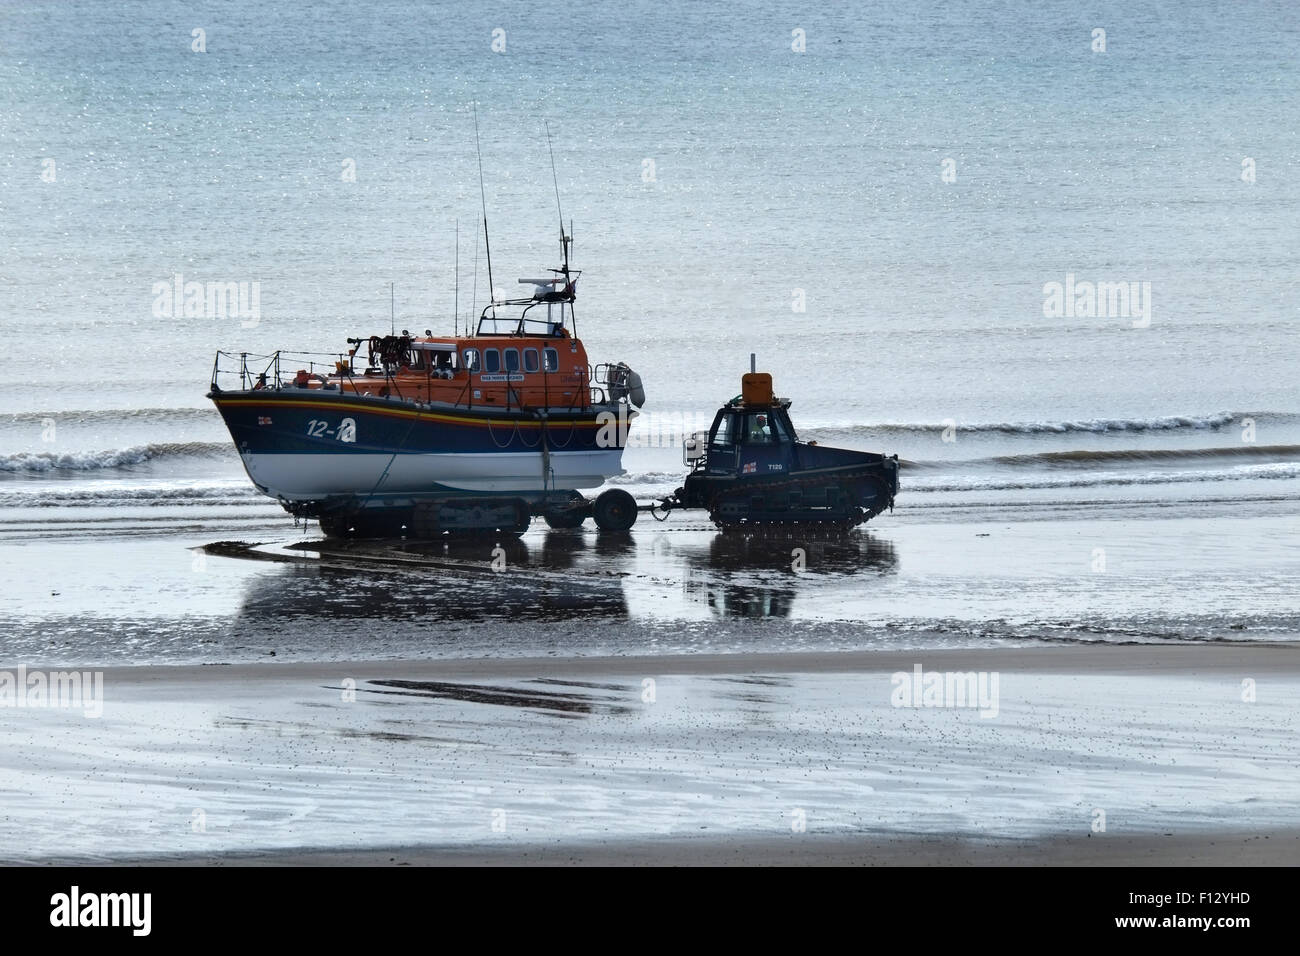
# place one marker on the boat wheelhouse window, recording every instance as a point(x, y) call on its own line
point(551, 359)
point(781, 433)
point(491, 360)
point(725, 433)
point(471, 359)
point(530, 360)
point(512, 360)
point(758, 429)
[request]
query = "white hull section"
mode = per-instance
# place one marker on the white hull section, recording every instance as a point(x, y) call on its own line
point(309, 477)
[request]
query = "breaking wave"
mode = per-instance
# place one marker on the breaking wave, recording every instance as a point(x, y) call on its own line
point(47, 461)
point(1084, 458)
point(1277, 470)
point(1087, 425)
point(93, 416)
point(226, 494)
point(1173, 455)
point(649, 478)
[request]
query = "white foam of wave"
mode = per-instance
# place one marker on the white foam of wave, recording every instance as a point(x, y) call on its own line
point(1085, 425)
point(47, 461)
point(1272, 471)
point(96, 416)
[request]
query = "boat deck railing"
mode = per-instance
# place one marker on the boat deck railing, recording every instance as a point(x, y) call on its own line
point(247, 371)
point(252, 371)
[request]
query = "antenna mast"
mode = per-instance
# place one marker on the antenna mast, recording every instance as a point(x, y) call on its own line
point(473, 302)
point(455, 312)
point(487, 246)
point(564, 240)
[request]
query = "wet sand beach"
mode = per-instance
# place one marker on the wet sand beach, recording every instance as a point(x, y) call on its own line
point(668, 696)
point(1215, 848)
point(763, 758)
point(95, 589)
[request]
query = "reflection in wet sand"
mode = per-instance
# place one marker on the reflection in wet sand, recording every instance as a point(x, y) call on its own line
point(566, 575)
point(567, 704)
point(435, 598)
point(849, 554)
point(730, 580)
point(615, 544)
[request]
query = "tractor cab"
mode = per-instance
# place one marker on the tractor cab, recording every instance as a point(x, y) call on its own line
point(750, 441)
point(751, 435)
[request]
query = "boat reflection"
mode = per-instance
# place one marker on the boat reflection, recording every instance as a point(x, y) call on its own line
point(761, 577)
point(851, 554)
point(562, 575)
point(449, 582)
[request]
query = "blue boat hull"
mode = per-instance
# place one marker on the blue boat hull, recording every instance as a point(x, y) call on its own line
point(312, 445)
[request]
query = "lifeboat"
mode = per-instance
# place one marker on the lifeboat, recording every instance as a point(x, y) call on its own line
point(425, 434)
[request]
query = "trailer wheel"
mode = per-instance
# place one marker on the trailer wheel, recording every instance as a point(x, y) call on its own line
point(562, 521)
point(570, 514)
point(614, 510)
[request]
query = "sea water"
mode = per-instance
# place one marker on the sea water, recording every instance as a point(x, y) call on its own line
point(1046, 254)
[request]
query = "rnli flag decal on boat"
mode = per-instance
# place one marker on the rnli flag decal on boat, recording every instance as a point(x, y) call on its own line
point(263, 419)
point(750, 467)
